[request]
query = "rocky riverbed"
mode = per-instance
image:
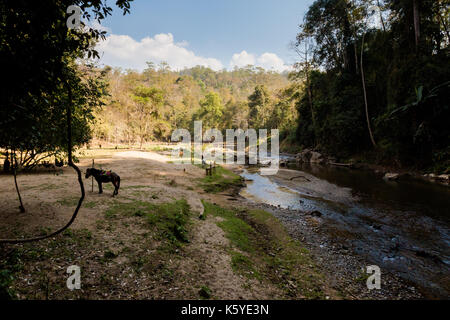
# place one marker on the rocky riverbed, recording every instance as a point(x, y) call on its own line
point(349, 225)
point(344, 271)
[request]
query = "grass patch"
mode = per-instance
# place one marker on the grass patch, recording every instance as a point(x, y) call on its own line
point(169, 220)
point(48, 186)
point(221, 180)
point(73, 202)
point(137, 187)
point(261, 248)
point(90, 204)
point(205, 292)
point(69, 202)
point(242, 264)
point(159, 149)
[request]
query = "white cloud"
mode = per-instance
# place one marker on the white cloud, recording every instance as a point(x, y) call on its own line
point(242, 59)
point(268, 61)
point(124, 51)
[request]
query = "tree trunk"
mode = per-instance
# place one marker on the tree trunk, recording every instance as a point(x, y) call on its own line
point(313, 117)
point(365, 94)
point(21, 207)
point(444, 25)
point(308, 86)
point(416, 23)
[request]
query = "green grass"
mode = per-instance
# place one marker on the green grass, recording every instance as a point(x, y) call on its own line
point(242, 264)
point(137, 187)
point(221, 180)
point(48, 186)
point(205, 292)
point(90, 204)
point(73, 202)
point(169, 220)
point(159, 149)
point(262, 249)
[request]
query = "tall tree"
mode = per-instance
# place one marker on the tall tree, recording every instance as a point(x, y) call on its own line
point(147, 102)
point(416, 22)
point(37, 54)
point(211, 111)
point(366, 104)
point(258, 103)
point(305, 50)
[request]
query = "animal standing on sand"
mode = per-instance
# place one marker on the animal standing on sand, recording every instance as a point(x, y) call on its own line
point(102, 176)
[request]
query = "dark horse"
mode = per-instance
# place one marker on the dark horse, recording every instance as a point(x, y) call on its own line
point(102, 176)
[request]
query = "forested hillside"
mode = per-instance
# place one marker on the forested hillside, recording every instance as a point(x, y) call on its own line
point(149, 105)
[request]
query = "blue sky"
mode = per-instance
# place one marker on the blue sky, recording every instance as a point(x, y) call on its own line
point(214, 33)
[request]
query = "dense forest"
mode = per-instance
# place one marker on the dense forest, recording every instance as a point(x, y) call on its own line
point(377, 75)
point(150, 105)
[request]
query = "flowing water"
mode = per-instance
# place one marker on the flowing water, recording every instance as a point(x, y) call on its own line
point(403, 226)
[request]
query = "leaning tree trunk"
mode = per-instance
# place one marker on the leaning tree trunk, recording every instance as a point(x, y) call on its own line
point(365, 94)
point(15, 165)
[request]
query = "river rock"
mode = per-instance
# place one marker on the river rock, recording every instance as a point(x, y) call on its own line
point(309, 156)
point(316, 157)
point(283, 163)
point(440, 178)
point(315, 213)
point(391, 176)
point(303, 156)
point(443, 177)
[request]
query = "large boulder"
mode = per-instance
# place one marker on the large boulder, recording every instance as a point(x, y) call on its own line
point(303, 156)
point(309, 156)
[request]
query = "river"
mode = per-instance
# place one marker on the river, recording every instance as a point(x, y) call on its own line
point(403, 226)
